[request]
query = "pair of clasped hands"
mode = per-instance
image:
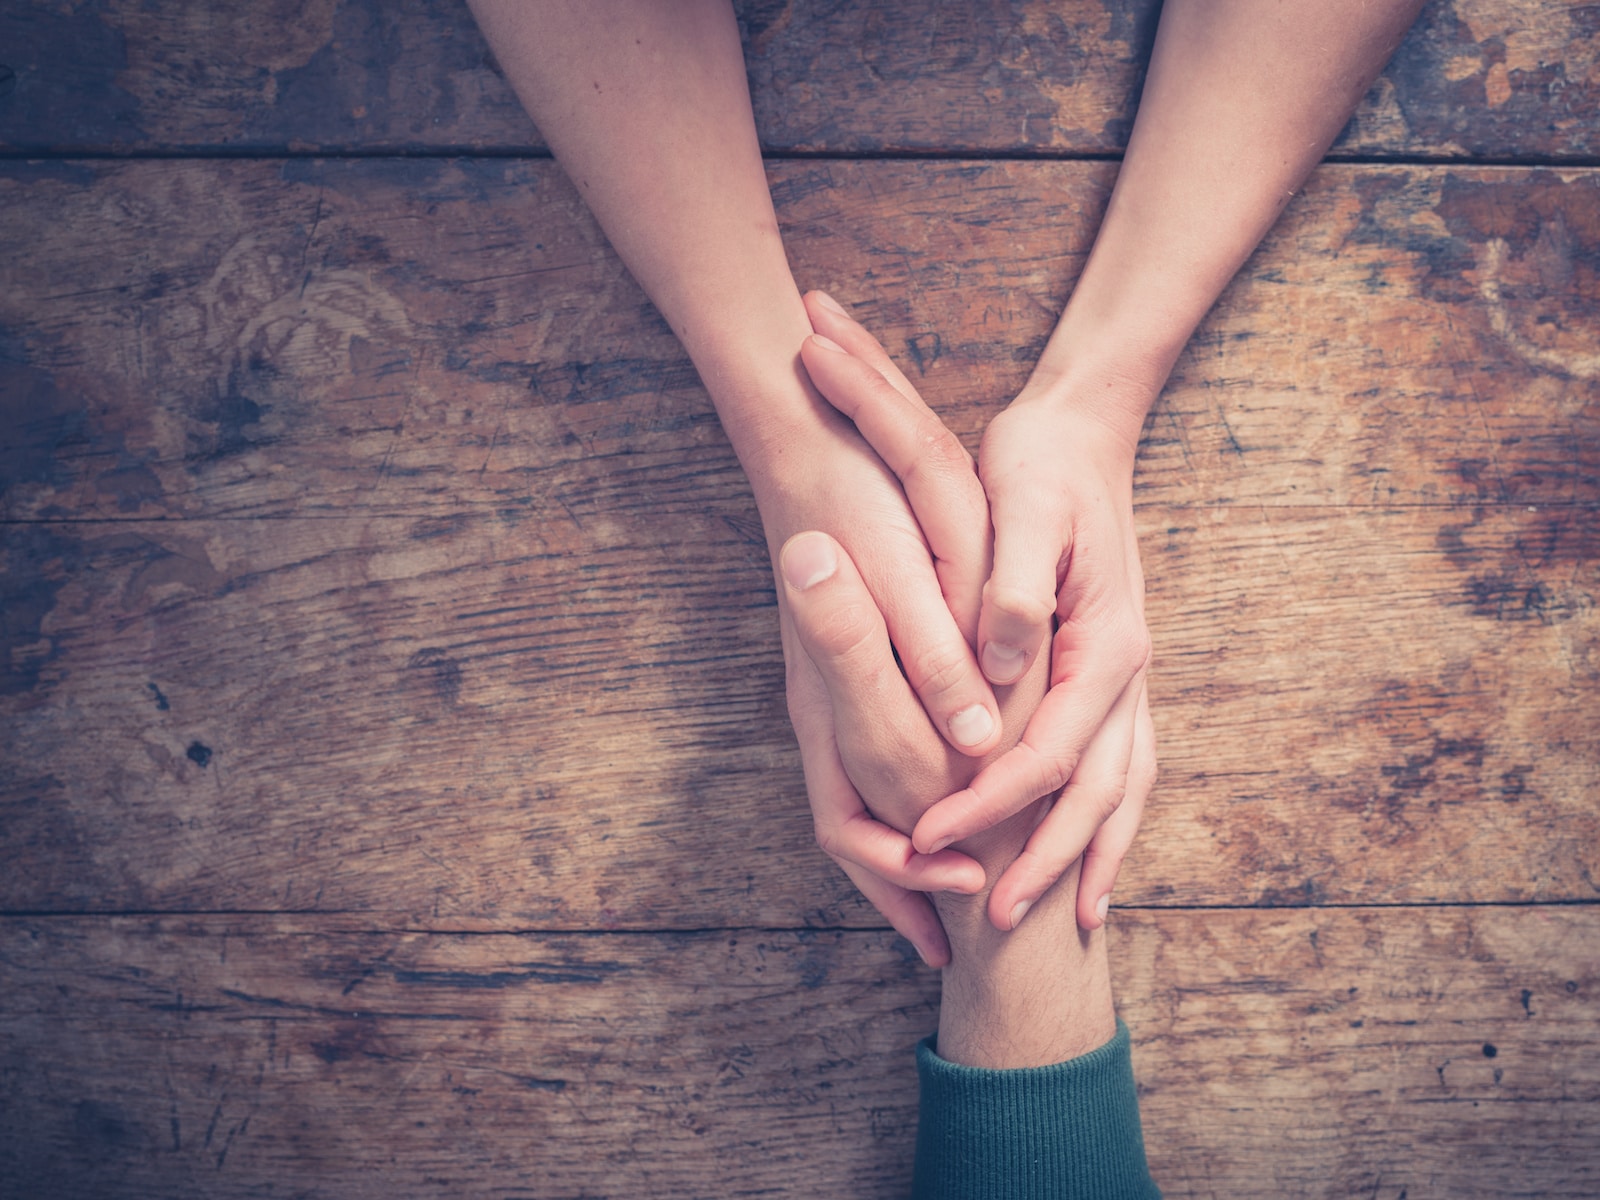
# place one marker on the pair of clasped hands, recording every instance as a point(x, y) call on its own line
point(967, 650)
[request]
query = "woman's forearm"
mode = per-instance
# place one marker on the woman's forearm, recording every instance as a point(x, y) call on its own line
point(646, 107)
point(1242, 100)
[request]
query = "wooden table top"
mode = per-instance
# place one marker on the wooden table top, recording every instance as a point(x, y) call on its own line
point(394, 772)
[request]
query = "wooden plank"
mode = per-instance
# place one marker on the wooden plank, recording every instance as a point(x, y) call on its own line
point(1317, 1054)
point(1496, 78)
point(250, 338)
point(1374, 1052)
point(501, 721)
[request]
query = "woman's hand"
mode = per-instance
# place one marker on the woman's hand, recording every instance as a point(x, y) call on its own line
point(1066, 579)
point(1065, 575)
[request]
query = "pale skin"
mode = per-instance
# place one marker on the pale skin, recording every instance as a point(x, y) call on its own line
point(1031, 575)
point(1042, 993)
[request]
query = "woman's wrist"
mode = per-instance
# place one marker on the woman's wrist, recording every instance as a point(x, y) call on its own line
point(769, 409)
point(1100, 378)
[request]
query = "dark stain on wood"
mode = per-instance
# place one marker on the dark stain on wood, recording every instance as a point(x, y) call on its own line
point(38, 561)
point(1478, 91)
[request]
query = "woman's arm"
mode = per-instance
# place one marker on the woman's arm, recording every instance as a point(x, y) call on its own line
point(1242, 99)
point(646, 107)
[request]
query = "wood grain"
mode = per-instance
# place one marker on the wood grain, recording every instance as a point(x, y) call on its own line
point(230, 339)
point(500, 719)
point(1508, 79)
point(1315, 1054)
point(371, 562)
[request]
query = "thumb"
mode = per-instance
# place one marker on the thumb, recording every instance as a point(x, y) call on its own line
point(1019, 599)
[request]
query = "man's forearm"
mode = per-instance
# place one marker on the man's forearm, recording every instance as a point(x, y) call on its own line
point(1036, 995)
point(1242, 100)
point(1029, 997)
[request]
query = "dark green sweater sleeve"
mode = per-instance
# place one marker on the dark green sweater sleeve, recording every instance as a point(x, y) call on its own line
point(1040, 1133)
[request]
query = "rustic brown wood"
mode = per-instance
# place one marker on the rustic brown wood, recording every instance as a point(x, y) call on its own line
point(536, 720)
point(1369, 1052)
point(1497, 78)
point(369, 552)
point(229, 339)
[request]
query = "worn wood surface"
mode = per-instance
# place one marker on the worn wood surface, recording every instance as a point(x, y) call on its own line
point(1367, 1052)
point(1496, 78)
point(536, 720)
point(255, 338)
point(394, 780)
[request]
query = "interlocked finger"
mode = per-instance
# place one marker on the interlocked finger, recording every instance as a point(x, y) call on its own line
point(1102, 861)
point(911, 913)
point(1094, 794)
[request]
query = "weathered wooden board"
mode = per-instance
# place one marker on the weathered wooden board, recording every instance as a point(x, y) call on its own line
point(1376, 1052)
point(533, 720)
point(1360, 1052)
point(248, 338)
point(1497, 78)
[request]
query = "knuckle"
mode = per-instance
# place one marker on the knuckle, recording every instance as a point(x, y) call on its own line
point(842, 630)
point(933, 461)
point(1129, 645)
point(1045, 862)
point(827, 839)
point(1142, 774)
point(938, 451)
point(1055, 771)
point(1108, 798)
point(1016, 605)
point(937, 669)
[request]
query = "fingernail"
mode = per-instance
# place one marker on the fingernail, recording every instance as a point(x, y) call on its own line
point(1003, 664)
point(972, 726)
point(807, 560)
point(828, 343)
point(923, 955)
point(941, 844)
point(1020, 911)
point(1103, 907)
point(829, 303)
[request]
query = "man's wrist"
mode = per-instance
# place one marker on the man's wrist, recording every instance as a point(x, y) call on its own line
point(1036, 995)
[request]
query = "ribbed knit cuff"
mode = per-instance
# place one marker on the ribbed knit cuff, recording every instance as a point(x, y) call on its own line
point(1039, 1133)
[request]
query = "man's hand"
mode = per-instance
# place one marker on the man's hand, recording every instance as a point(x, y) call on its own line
point(883, 753)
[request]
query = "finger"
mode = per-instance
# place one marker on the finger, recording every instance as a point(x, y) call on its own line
point(1094, 795)
point(1019, 599)
point(911, 913)
point(888, 854)
point(847, 831)
point(1103, 859)
point(1091, 671)
point(844, 634)
point(1041, 763)
point(933, 467)
point(829, 318)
